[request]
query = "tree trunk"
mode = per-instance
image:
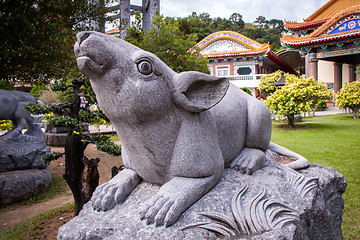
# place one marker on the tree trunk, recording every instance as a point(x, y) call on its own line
point(355, 112)
point(89, 177)
point(291, 120)
point(74, 152)
point(81, 174)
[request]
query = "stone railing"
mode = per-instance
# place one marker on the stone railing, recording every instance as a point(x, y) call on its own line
point(249, 81)
point(246, 77)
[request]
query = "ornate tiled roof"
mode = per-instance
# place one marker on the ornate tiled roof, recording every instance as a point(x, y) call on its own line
point(230, 44)
point(323, 14)
point(304, 25)
point(343, 25)
point(331, 8)
point(113, 31)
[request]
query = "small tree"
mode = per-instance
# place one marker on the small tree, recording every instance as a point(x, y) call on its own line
point(296, 97)
point(349, 97)
point(80, 172)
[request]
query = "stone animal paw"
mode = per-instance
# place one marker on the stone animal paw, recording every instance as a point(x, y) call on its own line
point(249, 160)
point(107, 196)
point(115, 191)
point(162, 210)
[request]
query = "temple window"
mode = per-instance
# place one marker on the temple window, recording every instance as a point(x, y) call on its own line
point(222, 71)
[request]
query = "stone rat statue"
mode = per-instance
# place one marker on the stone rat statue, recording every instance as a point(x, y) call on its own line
point(177, 130)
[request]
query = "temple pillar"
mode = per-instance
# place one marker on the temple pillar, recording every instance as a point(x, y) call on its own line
point(124, 20)
point(262, 71)
point(337, 76)
point(307, 66)
point(257, 69)
point(149, 9)
point(352, 73)
point(313, 66)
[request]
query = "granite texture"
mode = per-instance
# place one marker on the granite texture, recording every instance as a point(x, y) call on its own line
point(178, 130)
point(23, 173)
point(23, 184)
point(275, 202)
point(24, 151)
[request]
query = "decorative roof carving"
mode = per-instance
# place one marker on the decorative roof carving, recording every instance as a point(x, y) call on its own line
point(343, 25)
point(229, 44)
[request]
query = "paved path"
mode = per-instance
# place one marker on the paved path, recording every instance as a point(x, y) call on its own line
point(330, 111)
point(10, 218)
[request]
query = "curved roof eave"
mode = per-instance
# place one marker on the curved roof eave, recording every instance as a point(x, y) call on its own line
point(277, 60)
point(234, 36)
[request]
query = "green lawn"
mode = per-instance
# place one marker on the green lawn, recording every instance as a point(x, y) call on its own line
point(334, 141)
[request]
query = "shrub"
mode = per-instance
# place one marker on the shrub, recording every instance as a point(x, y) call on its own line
point(5, 125)
point(349, 97)
point(296, 97)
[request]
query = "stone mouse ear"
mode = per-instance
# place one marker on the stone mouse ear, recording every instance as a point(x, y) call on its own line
point(197, 92)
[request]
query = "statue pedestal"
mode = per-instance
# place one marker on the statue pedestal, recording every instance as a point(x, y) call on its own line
point(23, 173)
point(23, 184)
point(275, 202)
point(23, 152)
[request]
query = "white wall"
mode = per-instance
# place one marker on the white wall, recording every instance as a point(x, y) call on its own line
point(326, 72)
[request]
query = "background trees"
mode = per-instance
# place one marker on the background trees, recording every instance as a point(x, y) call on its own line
point(37, 37)
point(261, 30)
point(171, 38)
point(349, 97)
point(167, 42)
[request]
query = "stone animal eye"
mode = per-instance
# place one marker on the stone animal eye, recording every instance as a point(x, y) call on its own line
point(145, 67)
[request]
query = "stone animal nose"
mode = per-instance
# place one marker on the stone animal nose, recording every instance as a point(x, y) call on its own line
point(81, 36)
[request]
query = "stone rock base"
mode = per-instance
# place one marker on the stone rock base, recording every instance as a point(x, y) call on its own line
point(23, 152)
point(23, 184)
point(275, 202)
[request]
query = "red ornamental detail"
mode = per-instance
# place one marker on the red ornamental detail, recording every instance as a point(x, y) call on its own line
point(352, 24)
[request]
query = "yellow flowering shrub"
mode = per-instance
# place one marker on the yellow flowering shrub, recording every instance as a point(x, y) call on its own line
point(5, 125)
point(349, 97)
point(296, 96)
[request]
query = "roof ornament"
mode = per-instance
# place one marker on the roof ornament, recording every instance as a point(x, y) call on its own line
point(281, 81)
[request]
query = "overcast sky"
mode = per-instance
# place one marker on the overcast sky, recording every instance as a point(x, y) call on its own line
point(250, 9)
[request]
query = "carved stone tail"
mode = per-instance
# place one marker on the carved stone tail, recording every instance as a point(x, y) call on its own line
point(300, 161)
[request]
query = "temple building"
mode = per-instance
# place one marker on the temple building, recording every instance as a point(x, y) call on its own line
point(241, 59)
point(330, 41)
